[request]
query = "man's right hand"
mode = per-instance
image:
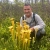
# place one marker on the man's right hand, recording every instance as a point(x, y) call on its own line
point(32, 29)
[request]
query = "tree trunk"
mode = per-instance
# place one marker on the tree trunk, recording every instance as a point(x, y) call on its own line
point(36, 1)
point(31, 1)
point(42, 1)
point(48, 1)
point(27, 1)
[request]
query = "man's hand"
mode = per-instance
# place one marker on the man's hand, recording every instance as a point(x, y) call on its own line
point(32, 29)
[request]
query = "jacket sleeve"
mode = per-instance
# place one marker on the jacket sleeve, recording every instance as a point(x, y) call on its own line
point(39, 22)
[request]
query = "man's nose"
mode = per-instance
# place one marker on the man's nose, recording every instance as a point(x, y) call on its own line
point(26, 11)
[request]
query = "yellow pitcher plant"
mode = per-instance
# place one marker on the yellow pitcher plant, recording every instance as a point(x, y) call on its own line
point(21, 34)
point(36, 29)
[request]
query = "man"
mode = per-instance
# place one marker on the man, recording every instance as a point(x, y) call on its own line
point(34, 23)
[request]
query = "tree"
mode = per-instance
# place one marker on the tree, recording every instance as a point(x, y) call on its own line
point(16, 1)
point(48, 1)
point(4, 1)
point(36, 1)
point(27, 1)
point(31, 1)
point(42, 1)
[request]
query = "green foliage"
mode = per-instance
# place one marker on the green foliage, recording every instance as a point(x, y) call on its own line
point(6, 40)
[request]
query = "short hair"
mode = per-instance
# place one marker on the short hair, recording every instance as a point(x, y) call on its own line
point(27, 4)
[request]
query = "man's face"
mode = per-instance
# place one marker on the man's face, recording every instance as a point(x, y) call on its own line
point(27, 11)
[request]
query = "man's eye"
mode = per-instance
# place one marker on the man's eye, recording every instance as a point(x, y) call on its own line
point(26, 9)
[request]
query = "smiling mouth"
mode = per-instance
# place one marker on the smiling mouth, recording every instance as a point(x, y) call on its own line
point(27, 13)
